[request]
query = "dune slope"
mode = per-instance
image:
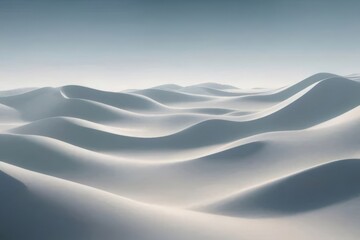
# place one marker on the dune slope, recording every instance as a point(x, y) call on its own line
point(207, 161)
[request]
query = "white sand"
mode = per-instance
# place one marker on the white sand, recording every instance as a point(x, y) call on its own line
point(208, 161)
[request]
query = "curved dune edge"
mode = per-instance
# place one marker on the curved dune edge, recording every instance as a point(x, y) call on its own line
point(68, 210)
point(323, 101)
point(273, 154)
point(311, 189)
point(207, 161)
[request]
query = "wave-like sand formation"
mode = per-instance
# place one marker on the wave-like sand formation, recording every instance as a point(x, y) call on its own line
point(310, 189)
point(207, 161)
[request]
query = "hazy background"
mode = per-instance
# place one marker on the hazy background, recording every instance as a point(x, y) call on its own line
point(122, 44)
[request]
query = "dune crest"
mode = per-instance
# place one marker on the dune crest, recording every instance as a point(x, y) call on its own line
point(207, 161)
point(308, 190)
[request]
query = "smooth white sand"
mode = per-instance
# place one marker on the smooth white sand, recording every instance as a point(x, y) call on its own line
point(207, 161)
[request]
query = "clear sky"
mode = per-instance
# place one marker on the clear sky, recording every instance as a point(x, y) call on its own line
point(122, 44)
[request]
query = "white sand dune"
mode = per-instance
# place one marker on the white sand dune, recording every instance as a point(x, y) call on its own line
point(207, 161)
point(171, 97)
point(310, 189)
point(323, 101)
point(284, 93)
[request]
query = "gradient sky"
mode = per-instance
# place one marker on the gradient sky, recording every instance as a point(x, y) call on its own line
point(123, 44)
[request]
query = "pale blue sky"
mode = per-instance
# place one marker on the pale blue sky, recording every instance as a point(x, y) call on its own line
point(122, 44)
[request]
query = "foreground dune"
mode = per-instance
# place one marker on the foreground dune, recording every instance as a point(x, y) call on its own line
point(208, 161)
point(310, 189)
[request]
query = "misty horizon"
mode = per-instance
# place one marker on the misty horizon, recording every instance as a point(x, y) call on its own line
point(138, 44)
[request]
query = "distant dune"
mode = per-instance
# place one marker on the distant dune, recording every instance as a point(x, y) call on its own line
point(207, 161)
